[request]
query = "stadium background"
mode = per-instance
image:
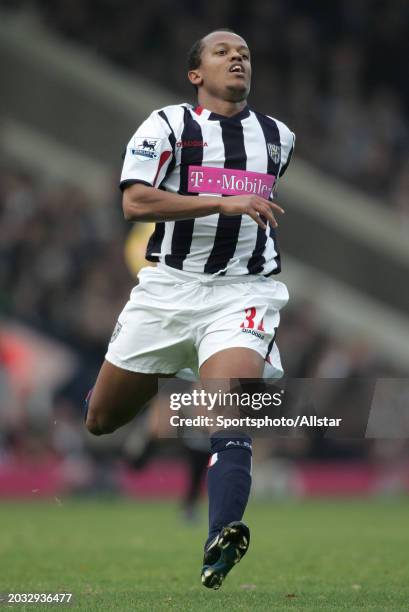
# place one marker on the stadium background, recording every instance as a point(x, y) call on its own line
point(77, 78)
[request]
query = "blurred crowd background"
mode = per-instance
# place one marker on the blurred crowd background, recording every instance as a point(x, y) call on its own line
point(345, 60)
point(63, 274)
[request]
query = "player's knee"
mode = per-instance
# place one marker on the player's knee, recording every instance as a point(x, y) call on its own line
point(93, 426)
point(98, 427)
point(97, 424)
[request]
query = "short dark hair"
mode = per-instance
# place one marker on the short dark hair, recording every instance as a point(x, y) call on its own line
point(194, 56)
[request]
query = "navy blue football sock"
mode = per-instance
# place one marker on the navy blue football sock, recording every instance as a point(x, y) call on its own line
point(228, 480)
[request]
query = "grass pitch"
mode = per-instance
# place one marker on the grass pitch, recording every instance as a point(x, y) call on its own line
point(123, 555)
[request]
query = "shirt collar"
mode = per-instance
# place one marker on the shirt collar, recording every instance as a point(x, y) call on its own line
point(206, 114)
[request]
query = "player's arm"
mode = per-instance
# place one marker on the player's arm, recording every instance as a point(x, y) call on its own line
point(148, 156)
point(144, 203)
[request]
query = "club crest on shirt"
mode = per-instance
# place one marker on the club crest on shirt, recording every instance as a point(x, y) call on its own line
point(145, 148)
point(274, 152)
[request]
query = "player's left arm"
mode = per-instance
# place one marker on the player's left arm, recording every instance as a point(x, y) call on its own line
point(287, 142)
point(287, 148)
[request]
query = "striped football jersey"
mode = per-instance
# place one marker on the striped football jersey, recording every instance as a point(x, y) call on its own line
point(192, 151)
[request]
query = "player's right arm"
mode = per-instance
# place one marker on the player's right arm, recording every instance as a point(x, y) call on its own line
point(143, 203)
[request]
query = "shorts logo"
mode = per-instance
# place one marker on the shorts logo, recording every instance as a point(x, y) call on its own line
point(116, 331)
point(145, 148)
point(253, 333)
point(274, 152)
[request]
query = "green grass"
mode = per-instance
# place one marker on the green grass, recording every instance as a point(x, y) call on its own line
point(316, 555)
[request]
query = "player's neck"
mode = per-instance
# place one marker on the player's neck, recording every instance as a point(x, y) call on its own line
point(221, 107)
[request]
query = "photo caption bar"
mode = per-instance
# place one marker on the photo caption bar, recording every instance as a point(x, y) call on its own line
point(332, 408)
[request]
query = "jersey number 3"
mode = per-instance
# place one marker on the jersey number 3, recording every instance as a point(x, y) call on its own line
point(249, 322)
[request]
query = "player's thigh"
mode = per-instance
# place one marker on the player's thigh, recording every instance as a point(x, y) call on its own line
point(225, 372)
point(237, 362)
point(118, 395)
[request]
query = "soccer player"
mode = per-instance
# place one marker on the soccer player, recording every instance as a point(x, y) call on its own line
point(205, 175)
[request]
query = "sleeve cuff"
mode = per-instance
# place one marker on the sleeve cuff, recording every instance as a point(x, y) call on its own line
point(128, 182)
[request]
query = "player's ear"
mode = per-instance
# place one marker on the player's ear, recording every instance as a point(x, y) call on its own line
point(195, 77)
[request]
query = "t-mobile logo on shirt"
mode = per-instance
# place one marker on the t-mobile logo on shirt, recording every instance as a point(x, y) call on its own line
point(223, 181)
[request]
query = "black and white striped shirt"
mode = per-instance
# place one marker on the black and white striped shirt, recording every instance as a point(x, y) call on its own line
point(192, 151)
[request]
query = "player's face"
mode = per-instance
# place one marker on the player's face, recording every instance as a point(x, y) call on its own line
point(225, 69)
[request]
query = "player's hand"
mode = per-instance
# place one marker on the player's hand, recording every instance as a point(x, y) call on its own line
point(254, 206)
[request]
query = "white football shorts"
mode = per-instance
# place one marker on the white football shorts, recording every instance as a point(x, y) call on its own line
point(176, 320)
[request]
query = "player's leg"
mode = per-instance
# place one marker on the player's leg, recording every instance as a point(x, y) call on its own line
point(148, 342)
point(235, 337)
point(117, 397)
point(229, 473)
point(237, 362)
